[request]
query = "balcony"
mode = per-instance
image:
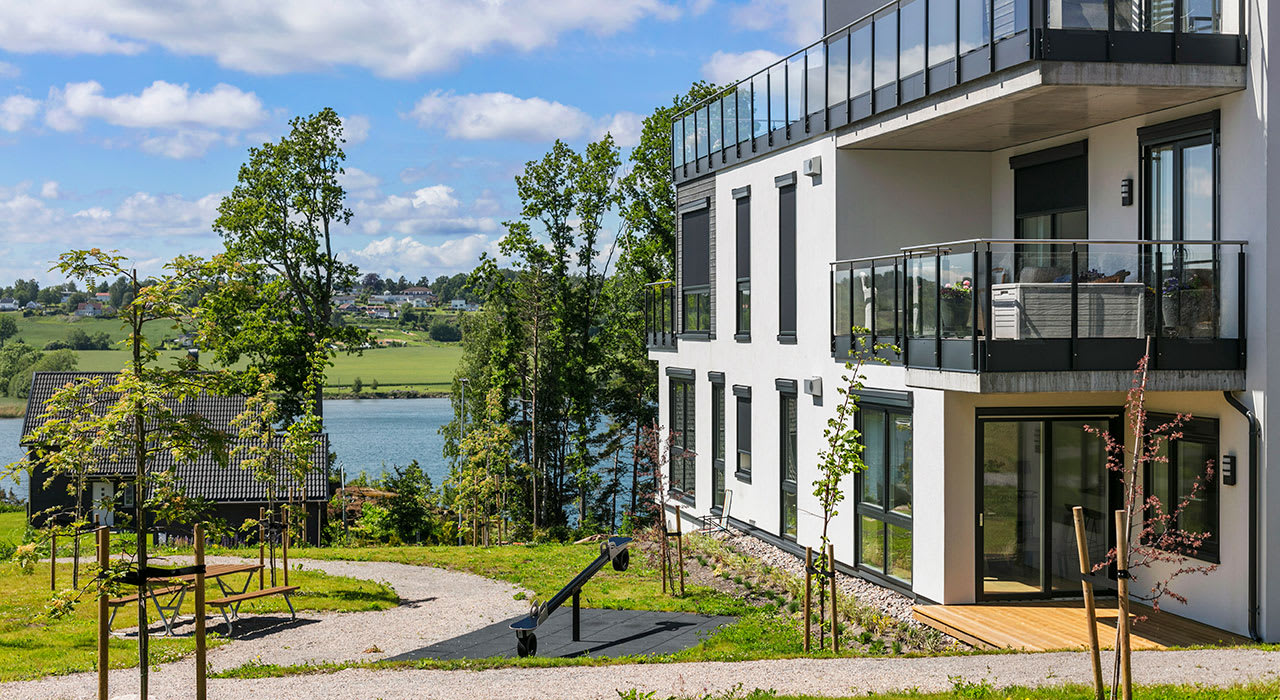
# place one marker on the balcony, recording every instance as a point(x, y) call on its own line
point(1002, 315)
point(660, 315)
point(1051, 66)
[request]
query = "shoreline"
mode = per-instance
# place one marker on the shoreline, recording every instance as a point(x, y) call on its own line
point(395, 394)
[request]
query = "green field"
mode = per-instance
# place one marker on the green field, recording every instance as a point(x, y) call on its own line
point(424, 366)
point(36, 331)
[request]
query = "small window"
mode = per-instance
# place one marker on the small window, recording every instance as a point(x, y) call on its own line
point(787, 263)
point(744, 435)
point(717, 444)
point(742, 301)
point(1185, 480)
point(789, 462)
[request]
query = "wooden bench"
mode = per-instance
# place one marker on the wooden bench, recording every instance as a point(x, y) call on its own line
point(234, 601)
point(175, 602)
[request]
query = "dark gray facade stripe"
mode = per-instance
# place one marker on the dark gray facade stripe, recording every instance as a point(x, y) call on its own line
point(681, 373)
point(740, 192)
point(1049, 155)
point(784, 180)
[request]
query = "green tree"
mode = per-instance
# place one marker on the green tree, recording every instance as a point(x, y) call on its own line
point(488, 463)
point(15, 359)
point(56, 361)
point(131, 418)
point(444, 332)
point(8, 328)
point(410, 512)
point(273, 298)
point(357, 386)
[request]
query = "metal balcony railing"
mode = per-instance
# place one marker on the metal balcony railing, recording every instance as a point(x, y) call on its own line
point(660, 321)
point(908, 49)
point(998, 305)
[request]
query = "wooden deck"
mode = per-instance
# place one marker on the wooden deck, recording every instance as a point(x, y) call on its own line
point(1050, 625)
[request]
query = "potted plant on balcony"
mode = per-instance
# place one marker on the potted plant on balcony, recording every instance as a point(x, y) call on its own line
point(957, 307)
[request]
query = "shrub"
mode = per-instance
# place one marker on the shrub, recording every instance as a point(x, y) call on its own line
point(444, 332)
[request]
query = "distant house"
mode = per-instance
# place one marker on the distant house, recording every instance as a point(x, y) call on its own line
point(340, 299)
point(9, 304)
point(234, 492)
point(66, 297)
point(34, 305)
point(103, 297)
point(89, 309)
point(348, 308)
point(458, 304)
point(418, 292)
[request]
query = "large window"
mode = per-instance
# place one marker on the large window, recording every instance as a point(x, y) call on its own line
point(1181, 193)
point(788, 460)
point(742, 394)
point(695, 269)
point(1183, 483)
point(742, 223)
point(885, 492)
point(1051, 202)
point(787, 258)
point(683, 428)
point(717, 441)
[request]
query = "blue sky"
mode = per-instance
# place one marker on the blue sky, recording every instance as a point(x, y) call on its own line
point(123, 125)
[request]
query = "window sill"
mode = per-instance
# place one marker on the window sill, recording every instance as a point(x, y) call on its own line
point(744, 477)
point(742, 337)
point(681, 496)
point(696, 335)
point(787, 339)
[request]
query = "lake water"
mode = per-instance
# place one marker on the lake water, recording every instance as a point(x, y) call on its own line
point(370, 435)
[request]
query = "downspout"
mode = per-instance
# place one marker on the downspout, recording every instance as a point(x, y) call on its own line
point(1253, 510)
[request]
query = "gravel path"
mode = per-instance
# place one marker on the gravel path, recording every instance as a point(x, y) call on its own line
point(435, 604)
point(818, 677)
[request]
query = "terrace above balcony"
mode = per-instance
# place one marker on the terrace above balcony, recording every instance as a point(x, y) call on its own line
point(907, 75)
point(1049, 315)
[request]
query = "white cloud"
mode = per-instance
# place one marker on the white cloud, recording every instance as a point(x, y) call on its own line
point(16, 111)
point(355, 129)
point(8, 70)
point(359, 184)
point(798, 22)
point(499, 116)
point(411, 257)
point(391, 38)
point(161, 105)
point(700, 7)
point(434, 209)
point(724, 68)
point(50, 190)
point(183, 143)
point(143, 217)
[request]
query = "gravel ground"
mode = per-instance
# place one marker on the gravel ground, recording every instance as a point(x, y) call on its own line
point(892, 602)
point(435, 604)
point(1220, 667)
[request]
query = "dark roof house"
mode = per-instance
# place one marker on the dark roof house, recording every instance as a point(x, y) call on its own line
point(235, 490)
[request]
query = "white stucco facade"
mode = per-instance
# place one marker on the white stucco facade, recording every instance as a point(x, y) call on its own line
point(872, 202)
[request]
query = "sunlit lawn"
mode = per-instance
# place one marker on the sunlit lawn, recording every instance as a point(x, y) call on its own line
point(34, 645)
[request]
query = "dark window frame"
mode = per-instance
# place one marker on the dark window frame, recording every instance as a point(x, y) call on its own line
point(882, 513)
point(742, 432)
point(788, 452)
point(788, 226)
point(695, 297)
point(742, 264)
point(682, 434)
point(718, 443)
point(1203, 431)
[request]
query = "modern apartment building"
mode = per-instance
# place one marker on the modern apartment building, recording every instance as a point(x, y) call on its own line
point(1019, 195)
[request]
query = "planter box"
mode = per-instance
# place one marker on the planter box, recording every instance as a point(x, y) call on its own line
point(1028, 311)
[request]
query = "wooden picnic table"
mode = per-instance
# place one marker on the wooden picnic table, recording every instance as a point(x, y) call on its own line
point(167, 599)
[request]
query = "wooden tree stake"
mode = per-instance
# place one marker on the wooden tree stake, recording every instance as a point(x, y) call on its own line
point(831, 558)
point(1122, 566)
point(53, 562)
point(680, 548)
point(1091, 617)
point(104, 631)
point(665, 560)
point(808, 592)
point(201, 651)
point(262, 546)
point(284, 547)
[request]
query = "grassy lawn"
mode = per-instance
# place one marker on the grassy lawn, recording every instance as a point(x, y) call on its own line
point(417, 367)
point(33, 645)
point(12, 527)
point(979, 691)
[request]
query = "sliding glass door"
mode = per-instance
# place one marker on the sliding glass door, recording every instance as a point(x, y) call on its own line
point(1033, 471)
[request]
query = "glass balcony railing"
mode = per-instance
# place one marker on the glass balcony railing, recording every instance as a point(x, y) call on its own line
point(1038, 305)
point(660, 315)
point(912, 48)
